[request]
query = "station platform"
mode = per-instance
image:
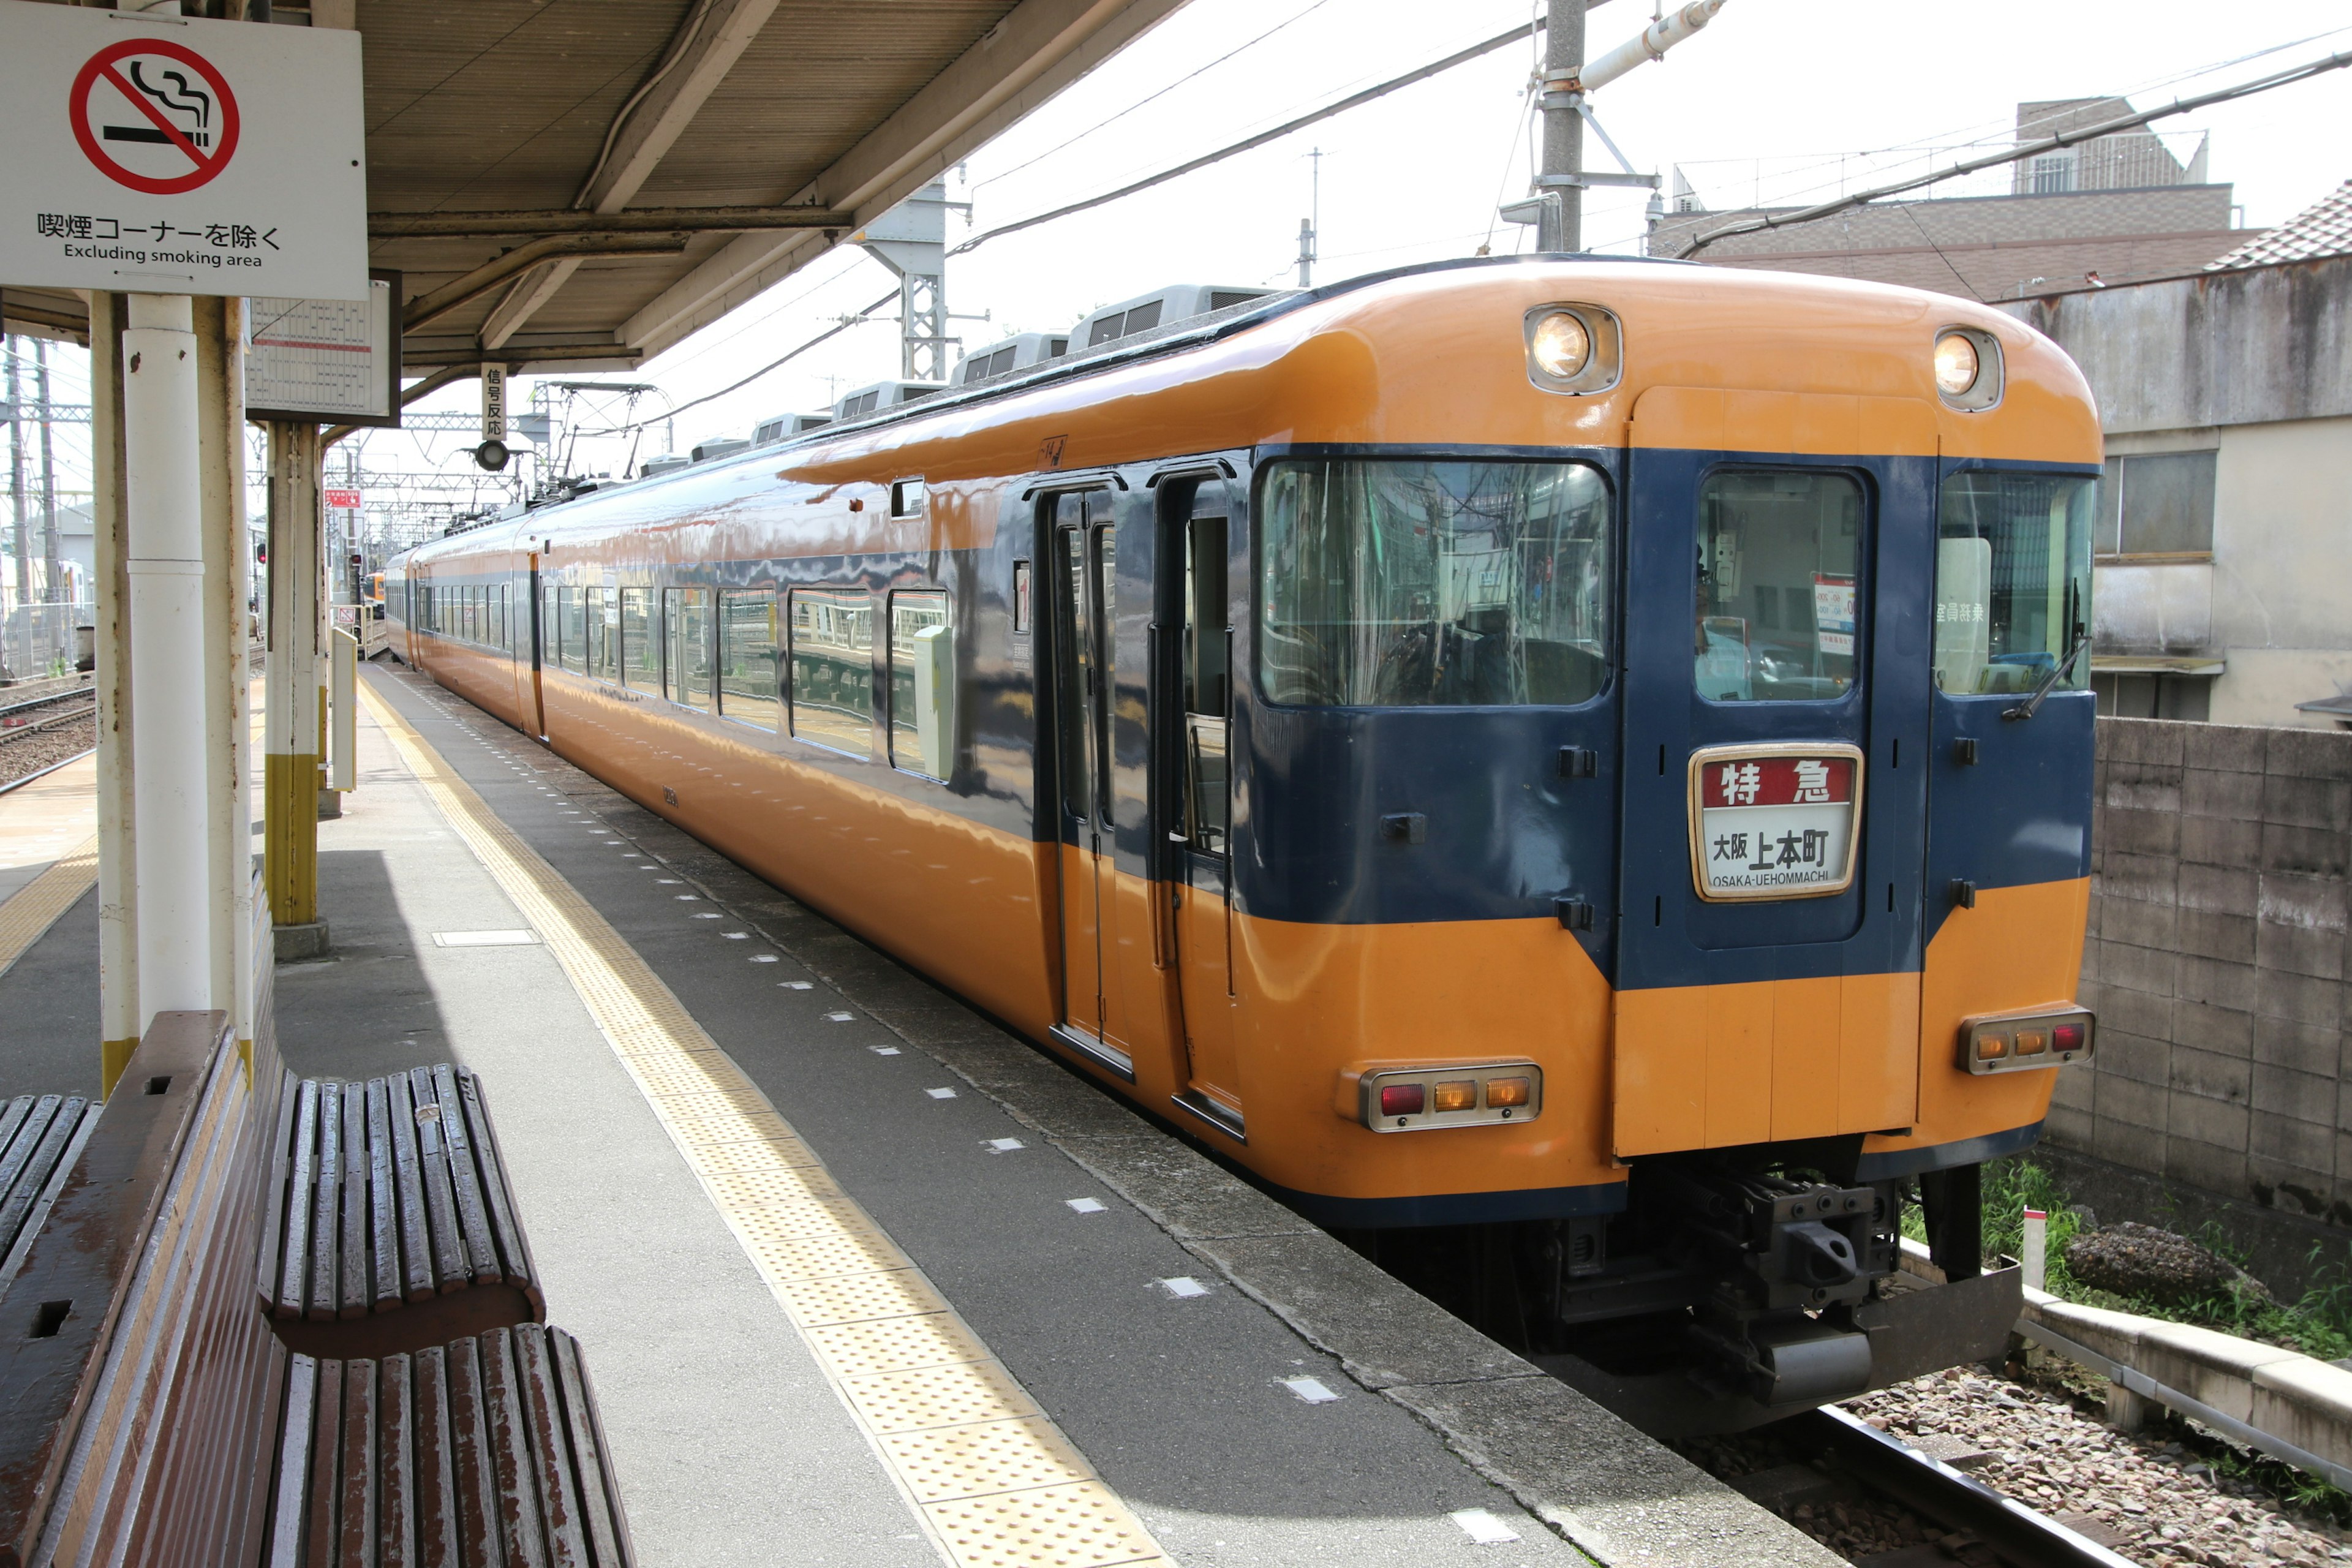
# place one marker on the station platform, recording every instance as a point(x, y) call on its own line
point(860, 1278)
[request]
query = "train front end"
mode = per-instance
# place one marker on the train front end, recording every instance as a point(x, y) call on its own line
point(1660, 806)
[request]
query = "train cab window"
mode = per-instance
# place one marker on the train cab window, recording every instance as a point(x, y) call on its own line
point(2013, 580)
point(1429, 582)
point(572, 615)
point(747, 656)
point(685, 625)
point(1208, 642)
point(640, 654)
point(831, 654)
point(1778, 559)
point(922, 683)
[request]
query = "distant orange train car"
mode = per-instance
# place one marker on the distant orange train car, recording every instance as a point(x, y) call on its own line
point(1574, 773)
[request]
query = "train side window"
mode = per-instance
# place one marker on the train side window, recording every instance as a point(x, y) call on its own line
point(1021, 598)
point(604, 635)
point(1207, 683)
point(640, 654)
point(551, 646)
point(571, 613)
point(474, 613)
point(922, 683)
point(1423, 583)
point(498, 616)
point(686, 623)
point(747, 656)
point(832, 653)
point(2013, 580)
point(1778, 561)
point(591, 628)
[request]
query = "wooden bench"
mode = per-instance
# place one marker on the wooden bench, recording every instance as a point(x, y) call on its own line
point(40, 1136)
point(487, 1450)
point(147, 1412)
point(390, 1224)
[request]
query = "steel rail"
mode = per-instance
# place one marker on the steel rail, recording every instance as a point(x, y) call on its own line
point(2014, 1533)
point(36, 726)
point(31, 703)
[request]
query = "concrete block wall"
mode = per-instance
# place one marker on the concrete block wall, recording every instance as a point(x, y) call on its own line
point(2216, 963)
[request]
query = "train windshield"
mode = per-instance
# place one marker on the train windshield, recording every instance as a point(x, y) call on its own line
point(1417, 583)
point(1778, 584)
point(2012, 581)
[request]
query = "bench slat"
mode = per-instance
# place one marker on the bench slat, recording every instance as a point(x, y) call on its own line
point(520, 1523)
point(606, 1520)
point(325, 1203)
point(449, 1266)
point(465, 1180)
point(416, 1281)
point(325, 1437)
point(293, 1267)
point(294, 1464)
point(471, 1469)
point(278, 1195)
point(360, 1461)
point(559, 1488)
point(384, 1221)
point(32, 1168)
point(354, 1298)
point(514, 1253)
point(436, 1491)
point(396, 1435)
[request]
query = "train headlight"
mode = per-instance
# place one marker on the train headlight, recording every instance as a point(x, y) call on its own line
point(1573, 348)
point(1407, 1099)
point(2010, 1042)
point(1562, 345)
point(1968, 368)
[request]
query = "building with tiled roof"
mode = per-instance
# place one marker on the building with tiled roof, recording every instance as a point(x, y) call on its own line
point(2319, 231)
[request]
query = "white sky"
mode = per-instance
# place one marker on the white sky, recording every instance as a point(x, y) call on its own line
point(1765, 102)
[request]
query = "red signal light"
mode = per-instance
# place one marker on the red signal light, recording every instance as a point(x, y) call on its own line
point(2067, 1037)
point(1403, 1098)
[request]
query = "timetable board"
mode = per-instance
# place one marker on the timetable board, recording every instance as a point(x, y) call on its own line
point(330, 360)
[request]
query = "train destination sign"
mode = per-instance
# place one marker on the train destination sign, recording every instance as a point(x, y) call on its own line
point(1774, 823)
point(180, 155)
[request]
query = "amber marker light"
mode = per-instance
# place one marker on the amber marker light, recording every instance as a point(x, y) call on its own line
point(1990, 1047)
point(1957, 365)
point(2032, 1042)
point(1507, 1093)
point(1460, 1095)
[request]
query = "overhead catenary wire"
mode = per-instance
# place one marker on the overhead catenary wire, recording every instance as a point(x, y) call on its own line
point(778, 363)
point(1354, 101)
point(2025, 150)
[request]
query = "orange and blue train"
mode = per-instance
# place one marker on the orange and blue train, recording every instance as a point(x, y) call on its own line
point(1574, 773)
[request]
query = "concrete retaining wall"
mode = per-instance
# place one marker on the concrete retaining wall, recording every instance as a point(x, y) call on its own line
point(2217, 962)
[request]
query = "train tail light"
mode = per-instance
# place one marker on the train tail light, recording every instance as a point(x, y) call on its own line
point(1408, 1099)
point(2010, 1042)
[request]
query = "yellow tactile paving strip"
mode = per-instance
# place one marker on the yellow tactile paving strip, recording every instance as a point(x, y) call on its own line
point(999, 1486)
point(35, 906)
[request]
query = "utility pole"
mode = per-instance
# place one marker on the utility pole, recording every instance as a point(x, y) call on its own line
point(1310, 228)
point(18, 541)
point(53, 572)
point(1560, 226)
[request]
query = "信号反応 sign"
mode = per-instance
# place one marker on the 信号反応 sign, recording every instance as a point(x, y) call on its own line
point(180, 155)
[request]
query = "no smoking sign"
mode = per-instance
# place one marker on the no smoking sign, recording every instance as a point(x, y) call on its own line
point(154, 117)
point(180, 154)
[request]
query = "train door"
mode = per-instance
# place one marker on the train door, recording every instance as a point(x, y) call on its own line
point(1772, 805)
point(1083, 584)
point(1194, 552)
point(535, 709)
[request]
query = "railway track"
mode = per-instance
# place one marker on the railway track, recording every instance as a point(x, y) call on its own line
point(14, 714)
point(13, 729)
point(1841, 1456)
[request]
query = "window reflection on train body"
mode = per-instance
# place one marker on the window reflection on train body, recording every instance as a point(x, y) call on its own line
point(640, 654)
point(2013, 580)
point(1398, 584)
point(747, 656)
point(1779, 598)
point(918, 727)
point(832, 668)
point(686, 618)
point(1207, 644)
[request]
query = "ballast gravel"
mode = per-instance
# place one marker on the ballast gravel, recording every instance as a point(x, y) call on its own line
point(2142, 1496)
point(26, 752)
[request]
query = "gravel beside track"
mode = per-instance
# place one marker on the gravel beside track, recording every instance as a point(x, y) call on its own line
point(2039, 1439)
point(29, 751)
point(35, 690)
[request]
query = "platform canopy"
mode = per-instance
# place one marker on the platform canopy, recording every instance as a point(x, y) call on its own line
point(580, 184)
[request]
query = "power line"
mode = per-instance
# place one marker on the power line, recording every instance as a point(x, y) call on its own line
point(833, 331)
point(1163, 92)
point(1353, 101)
point(2023, 151)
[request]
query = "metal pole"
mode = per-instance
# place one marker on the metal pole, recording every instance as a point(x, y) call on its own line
point(19, 541)
point(1561, 226)
point(118, 837)
point(165, 561)
point(54, 591)
point(293, 728)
